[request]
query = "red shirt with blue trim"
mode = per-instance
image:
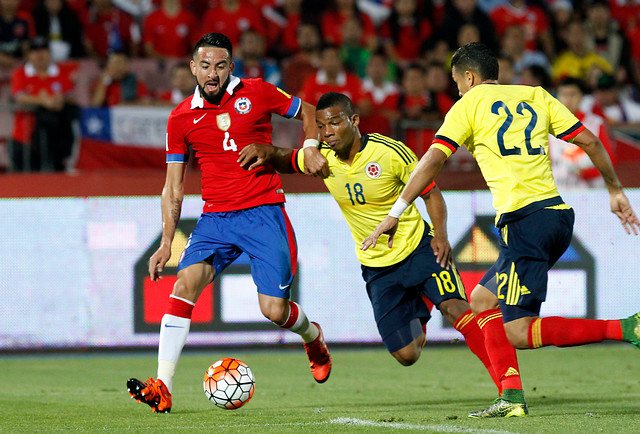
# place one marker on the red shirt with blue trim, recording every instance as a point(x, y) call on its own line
point(217, 133)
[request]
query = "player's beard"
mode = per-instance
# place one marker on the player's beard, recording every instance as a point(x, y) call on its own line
point(214, 99)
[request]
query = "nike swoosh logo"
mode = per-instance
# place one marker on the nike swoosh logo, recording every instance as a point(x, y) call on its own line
point(173, 326)
point(283, 287)
point(195, 121)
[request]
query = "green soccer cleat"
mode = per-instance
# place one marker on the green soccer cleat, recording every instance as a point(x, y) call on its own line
point(502, 408)
point(631, 330)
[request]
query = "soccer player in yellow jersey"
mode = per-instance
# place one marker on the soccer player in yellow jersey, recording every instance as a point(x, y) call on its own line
point(367, 174)
point(506, 129)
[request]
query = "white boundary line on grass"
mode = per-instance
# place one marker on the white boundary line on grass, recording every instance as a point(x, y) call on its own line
point(370, 423)
point(401, 425)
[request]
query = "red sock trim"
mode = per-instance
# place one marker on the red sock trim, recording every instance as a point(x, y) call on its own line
point(179, 308)
point(293, 315)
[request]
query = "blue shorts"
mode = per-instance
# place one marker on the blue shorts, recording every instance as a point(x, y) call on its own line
point(398, 293)
point(264, 233)
point(529, 247)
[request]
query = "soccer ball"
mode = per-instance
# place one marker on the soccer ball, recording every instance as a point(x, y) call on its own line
point(229, 383)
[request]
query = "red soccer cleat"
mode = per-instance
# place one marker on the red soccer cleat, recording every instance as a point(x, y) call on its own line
point(153, 393)
point(319, 357)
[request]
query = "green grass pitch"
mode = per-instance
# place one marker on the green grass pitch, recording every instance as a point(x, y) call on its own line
point(588, 389)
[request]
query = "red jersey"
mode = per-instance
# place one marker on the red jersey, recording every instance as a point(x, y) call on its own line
point(218, 132)
point(531, 18)
point(409, 40)
point(317, 85)
point(170, 36)
point(233, 24)
point(25, 81)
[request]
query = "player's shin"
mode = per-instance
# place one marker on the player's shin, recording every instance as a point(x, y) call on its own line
point(502, 354)
point(468, 327)
point(298, 323)
point(569, 332)
point(174, 329)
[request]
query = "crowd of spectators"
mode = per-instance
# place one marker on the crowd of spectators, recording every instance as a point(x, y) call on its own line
point(390, 57)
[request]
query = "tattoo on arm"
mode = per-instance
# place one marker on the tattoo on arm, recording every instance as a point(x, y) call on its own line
point(175, 211)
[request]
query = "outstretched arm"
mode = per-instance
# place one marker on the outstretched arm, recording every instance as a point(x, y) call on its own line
point(619, 202)
point(423, 175)
point(437, 209)
point(172, 196)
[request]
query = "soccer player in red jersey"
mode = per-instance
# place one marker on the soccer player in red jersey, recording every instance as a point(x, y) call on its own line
point(243, 211)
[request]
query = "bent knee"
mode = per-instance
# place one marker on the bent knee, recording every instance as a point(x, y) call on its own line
point(482, 299)
point(518, 335)
point(408, 355)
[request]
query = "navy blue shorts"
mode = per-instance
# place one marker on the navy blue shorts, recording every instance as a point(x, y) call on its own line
point(264, 233)
point(398, 293)
point(529, 247)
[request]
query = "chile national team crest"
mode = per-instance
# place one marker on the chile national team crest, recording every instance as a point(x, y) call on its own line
point(243, 105)
point(373, 170)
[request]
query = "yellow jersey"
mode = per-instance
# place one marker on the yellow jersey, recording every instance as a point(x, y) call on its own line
point(367, 189)
point(506, 129)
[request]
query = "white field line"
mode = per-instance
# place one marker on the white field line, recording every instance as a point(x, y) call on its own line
point(408, 426)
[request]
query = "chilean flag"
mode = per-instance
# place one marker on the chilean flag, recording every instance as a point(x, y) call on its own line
point(123, 137)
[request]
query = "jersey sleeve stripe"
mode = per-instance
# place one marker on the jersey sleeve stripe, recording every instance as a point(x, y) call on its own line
point(428, 188)
point(294, 161)
point(293, 108)
point(177, 158)
point(400, 147)
point(572, 132)
point(446, 142)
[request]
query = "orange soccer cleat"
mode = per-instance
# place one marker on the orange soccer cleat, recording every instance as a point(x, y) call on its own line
point(319, 357)
point(153, 393)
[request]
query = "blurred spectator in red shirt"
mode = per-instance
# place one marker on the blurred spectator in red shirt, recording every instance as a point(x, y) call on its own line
point(383, 95)
point(118, 85)
point(296, 68)
point(251, 61)
point(42, 137)
point(437, 86)
point(183, 85)
point(57, 22)
point(413, 98)
point(282, 24)
point(332, 77)
point(460, 12)
point(404, 32)
point(334, 18)
point(16, 29)
point(232, 18)
point(572, 167)
point(169, 31)
point(108, 28)
point(532, 18)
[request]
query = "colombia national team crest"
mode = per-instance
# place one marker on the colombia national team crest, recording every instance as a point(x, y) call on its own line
point(224, 121)
point(243, 105)
point(373, 170)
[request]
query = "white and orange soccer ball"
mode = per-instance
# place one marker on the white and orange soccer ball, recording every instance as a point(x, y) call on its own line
point(229, 383)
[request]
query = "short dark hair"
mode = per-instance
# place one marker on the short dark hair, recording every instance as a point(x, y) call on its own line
point(332, 99)
point(214, 40)
point(478, 58)
point(572, 81)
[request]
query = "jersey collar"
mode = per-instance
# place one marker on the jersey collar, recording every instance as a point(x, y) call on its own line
point(30, 70)
point(197, 101)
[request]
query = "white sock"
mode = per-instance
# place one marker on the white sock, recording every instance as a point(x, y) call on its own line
point(300, 324)
point(173, 335)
